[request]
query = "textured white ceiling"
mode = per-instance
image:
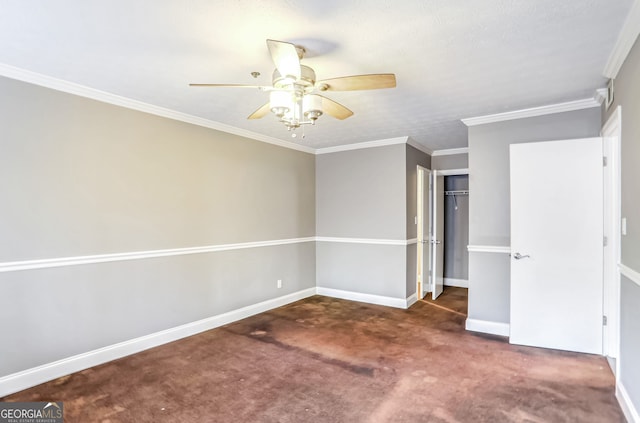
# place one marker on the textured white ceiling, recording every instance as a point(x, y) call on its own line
point(452, 58)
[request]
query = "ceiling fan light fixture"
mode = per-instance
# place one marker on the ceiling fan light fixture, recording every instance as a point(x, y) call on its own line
point(280, 102)
point(312, 107)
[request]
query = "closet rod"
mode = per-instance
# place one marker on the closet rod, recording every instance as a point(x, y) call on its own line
point(458, 192)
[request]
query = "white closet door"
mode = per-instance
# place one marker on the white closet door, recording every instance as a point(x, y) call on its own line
point(556, 245)
point(437, 235)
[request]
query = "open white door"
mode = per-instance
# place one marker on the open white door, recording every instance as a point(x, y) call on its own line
point(437, 234)
point(423, 219)
point(556, 245)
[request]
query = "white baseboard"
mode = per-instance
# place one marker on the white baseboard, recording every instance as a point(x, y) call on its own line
point(363, 298)
point(460, 283)
point(411, 300)
point(31, 377)
point(629, 410)
point(612, 363)
point(485, 326)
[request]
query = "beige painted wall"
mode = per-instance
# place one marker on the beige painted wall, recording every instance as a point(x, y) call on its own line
point(84, 177)
point(79, 177)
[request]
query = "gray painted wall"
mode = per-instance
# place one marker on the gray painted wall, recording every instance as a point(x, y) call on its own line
point(79, 177)
point(627, 95)
point(630, 339)
point(489, 210)
point(451, 161)
point(489, 287)
point(362, 268)
point(456, 228)
point(60, 312)
point(362, 194)
point(97, 178)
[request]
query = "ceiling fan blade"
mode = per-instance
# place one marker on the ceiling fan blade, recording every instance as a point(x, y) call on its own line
point(285, 57)
point(334, 109)
point(358, 82)
point(261, 112)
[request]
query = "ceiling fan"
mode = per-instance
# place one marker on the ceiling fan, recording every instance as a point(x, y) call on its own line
point(294, 94)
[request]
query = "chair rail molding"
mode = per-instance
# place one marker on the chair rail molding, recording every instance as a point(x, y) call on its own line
point(505, 249)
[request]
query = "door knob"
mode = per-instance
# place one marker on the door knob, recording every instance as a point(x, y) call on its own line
point(519, 256)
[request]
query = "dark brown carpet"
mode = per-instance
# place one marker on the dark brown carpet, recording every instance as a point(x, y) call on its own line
point(329, 360)
point(452, 298)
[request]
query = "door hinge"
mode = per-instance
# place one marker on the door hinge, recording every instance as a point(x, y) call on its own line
point(604, 161)
point(604, 320)
point(605, 241)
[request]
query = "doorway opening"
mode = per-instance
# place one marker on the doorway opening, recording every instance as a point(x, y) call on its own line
point(443, 236)
point(456, 231)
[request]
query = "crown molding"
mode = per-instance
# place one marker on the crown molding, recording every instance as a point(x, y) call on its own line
point(415, 144)
point(626, 38)
point(629, 273)
point(451, 151)
point(600, 95)
point(372, 144)
point(569, 106)
point(117, 100)
point(362, 145)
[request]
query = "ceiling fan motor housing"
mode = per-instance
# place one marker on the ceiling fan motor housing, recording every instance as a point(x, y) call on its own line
point(294, 94)
point(307, 79)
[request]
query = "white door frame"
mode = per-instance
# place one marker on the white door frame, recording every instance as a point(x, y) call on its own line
point(611, 134)
point(423, 280)
point(423, 277)
point(424, 207)
point(436, 234)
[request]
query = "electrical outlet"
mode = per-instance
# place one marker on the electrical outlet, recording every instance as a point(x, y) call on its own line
point(624, 226)
point(279, 283)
